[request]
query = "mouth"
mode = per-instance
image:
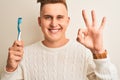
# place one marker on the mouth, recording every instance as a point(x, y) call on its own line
point(54, 31)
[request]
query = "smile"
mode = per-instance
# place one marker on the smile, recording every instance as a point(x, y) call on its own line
point(55, 30)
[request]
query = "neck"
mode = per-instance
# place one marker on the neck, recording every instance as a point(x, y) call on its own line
point(55, 44)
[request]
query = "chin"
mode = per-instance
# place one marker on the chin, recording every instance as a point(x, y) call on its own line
point(54, 38)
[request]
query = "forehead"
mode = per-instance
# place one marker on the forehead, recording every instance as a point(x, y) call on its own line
point(54, 8)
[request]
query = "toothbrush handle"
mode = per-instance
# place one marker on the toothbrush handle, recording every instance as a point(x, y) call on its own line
point(19, 36)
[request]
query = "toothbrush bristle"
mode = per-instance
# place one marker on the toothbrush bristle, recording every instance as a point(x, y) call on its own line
point(19, 20)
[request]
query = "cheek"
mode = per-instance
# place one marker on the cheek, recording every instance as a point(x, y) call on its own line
point(45, 24)
point(64, 24)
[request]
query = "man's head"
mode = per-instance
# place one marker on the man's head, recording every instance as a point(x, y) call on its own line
point(44, 2)
point(53, 19)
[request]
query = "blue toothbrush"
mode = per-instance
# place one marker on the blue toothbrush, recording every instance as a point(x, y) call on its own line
point(18, 27)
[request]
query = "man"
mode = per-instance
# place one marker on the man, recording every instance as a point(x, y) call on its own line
point(56, 57)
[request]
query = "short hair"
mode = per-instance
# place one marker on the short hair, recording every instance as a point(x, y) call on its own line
point(43, 2)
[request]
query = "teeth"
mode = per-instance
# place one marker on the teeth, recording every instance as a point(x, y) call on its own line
point(54, 30)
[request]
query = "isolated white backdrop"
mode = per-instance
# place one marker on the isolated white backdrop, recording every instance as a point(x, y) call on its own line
point(10, 10)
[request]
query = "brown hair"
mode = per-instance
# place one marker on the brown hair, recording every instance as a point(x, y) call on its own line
point(43, 2)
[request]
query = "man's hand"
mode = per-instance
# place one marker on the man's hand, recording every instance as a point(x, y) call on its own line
point(92, 36)
point(15, 55)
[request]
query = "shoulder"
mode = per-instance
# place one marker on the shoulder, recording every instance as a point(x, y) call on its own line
point(31, 50)
point(32, 46)
point(75, 44)
point(81, 48)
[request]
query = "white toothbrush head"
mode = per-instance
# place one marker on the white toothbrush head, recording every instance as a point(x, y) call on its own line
point(18, 27)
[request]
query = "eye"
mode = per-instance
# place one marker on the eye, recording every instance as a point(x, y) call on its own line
point(60, 17)
point(47, 17)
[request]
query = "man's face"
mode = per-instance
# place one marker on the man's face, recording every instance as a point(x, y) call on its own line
point(54, 21)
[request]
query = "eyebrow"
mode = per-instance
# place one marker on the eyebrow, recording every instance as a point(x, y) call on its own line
point(51, 15)
point(46, 15)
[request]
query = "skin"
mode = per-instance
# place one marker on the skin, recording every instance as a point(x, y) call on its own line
point(54, 21)
point(92, 36)
point(15, 55)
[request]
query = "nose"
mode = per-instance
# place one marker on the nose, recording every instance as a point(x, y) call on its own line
point(54, 22)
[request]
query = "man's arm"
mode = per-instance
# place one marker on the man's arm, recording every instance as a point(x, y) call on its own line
point(13, 69)
point(92, 38)
point(101, 69)
point(15, 75)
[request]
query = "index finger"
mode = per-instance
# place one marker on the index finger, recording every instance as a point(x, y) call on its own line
point(18, 43)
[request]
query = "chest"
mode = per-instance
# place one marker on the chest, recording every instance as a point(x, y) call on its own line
point(56, 66)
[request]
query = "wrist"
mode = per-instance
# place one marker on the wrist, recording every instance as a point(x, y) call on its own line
point(100, 55)
point(10, 69)
point(98, 51)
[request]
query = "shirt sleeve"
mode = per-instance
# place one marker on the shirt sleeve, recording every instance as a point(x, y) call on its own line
point(103, 69)
point(16, 75)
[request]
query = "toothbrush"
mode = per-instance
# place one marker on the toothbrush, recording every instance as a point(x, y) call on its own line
point(18, 27)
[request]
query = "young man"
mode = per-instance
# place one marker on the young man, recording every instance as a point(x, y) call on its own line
point(56, 57)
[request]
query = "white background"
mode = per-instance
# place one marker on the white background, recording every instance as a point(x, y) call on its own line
point(10, 10)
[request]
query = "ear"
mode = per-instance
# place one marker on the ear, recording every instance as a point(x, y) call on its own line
point(39, 21)
point(68, 21)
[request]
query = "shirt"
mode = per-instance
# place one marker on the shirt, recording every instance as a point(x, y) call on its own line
point(70, 62)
